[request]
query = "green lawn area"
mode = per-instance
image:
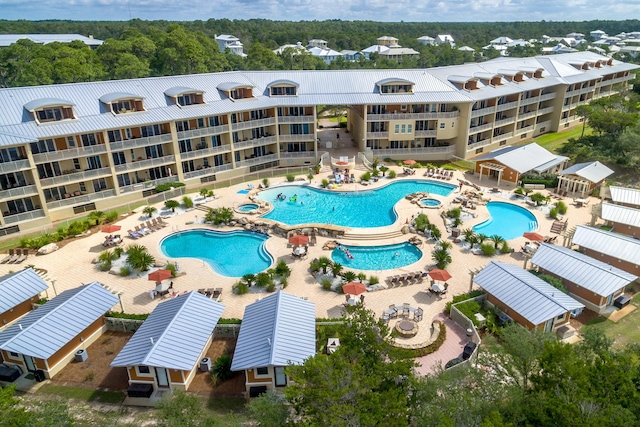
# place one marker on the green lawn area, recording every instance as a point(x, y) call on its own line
point(553, 141)
point(84, 394)
point(626, 331)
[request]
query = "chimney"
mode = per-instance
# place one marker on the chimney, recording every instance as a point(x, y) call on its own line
point(91, 36)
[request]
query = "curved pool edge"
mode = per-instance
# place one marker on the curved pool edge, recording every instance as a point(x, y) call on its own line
point(489, 219)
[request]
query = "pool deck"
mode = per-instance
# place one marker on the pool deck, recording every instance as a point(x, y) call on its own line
point(71, 266)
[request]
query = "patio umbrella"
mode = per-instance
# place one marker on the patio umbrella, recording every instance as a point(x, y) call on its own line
point(533, 236)
point(159, 275)
point(354, 288)
point(409, 162)
point(439, 275)
point(110, 228)
point(299, 239)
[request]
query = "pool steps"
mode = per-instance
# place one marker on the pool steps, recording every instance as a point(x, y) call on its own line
point(365, 235)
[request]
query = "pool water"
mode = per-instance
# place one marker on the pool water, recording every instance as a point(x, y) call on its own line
point(231, 254)
point(430, 203)
point(385, 257)
point(247, 207)
point(507, 220)
point(369, 208)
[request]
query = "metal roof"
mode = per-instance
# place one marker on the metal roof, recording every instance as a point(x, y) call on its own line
point(615, 245)
point(393, 80)
point(227, 86)
point(591, 171)
point(47, 329)
point(277, 330)
point(283, 82)
point(18, 287)
point(628, 196)
point(179, 90)
point(525, 293)
point(45, 102)
point(174, 335)
point(522, 158)
point(551, 163)
point(108, 98)
point(620, 214)
point(576, 267)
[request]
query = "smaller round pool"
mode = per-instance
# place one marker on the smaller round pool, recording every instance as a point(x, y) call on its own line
point(247, 207)
point(507, 220)
point(385, 257)
point(428, 202)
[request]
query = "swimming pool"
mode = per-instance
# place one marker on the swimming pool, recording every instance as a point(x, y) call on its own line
point(369, 208)
point(507, 220)
point(385, 257)
point(231, 254)
point(247, 207)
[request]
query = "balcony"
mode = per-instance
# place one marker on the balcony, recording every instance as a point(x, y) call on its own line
point(226, 148)
point(15, 166)
point(506, 121)
point(480, 128)
point(544, 111)
point(382, 152)
point(547, 96)
point(302, 137)
point(483, 111)
point(140, 142)
point(298, 154)
point(524, 130)
point(613, 81)
point(377, 135)
point(505, 135)
point(85, 198)
point(12, 193)
point(529, 101)
point(482, 143)
point(195, 133)
point(145, 164)
point(296, 119)
point(25, 216)
point(201, 172)
point(255, 142)
point(147, 184)
point(72, 153)
point(544, 124)
point(426, 133)
point(254, 123)
point(257, 160)
point(73, 177)
point(413, 116)
point(527, 115)
point(507, 106)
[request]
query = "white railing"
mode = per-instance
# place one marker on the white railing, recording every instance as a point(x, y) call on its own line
point(195, 133)
point(297, 138)
point(14, 166)
point(71, 153)
point(147, 184)
point(544, 124)
point(448, 149)
point(27, 190)
point(201, 172)
point(426, 133)
point(479, 144)
point(482, 111)
point(296, 119)
point(205, 152)
point(140, 142)
point(365, 161)
point(143, 164)
point(298, 154)
point(255, 142)
point(25, 216)
point(378, 135)
point(546, 110)
point(526, 115)
point(413, 116)
point(524, 129)
point(257, 160)
point(547, 96)
point(507, 106)
point(85, 198)
point(531, 100)
point(506, 121)
point(253, 123)
point(78, 176)
point(325, 159)
point(480, 128)
point(343, 159)
point(503, 136)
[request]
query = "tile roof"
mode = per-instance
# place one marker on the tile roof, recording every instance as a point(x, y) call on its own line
point(612, 244)
point(18, 287)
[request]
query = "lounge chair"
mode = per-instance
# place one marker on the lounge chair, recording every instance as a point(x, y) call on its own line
point(16, 256)
point(25, 254)
point(151, 227)
point(8, 257)
point(385, 317)
point(417, 315)
point(405, 309)
point(133, 234)
point(162, 221)
point(393, 311)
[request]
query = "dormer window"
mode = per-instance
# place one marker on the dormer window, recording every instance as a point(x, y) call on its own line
point(236, 91)
point(393, 86)
point(185, 96)
point(50, 110)
point(471, 84)
point(122, 103)
point(283, 88)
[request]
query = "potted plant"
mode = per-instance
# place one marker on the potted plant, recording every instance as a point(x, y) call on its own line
point(316, 168)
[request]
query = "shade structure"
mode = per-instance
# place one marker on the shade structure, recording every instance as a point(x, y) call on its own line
point(299, 239)
point(110, 228)
point(159, 275)
point(409, 162)
point(354, 288)
point(533, 236)
point(440, 275)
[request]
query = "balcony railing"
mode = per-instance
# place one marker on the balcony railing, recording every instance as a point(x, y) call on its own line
point(507, 106)
point(85, 198)
point(479, 144)
point(77, 176)
point(140, 142)
point(502, 136)
point(447, 149)
point(426, 133)
point(25, 216)
point(544, 124)
point(144, 164)
point(531, 100)
point(413, 116)
point(195, 133)
point(483, 111)
point(297, 154)
point(613, 81)
point(505, 121)
point(147, 184)
point(378, 135)
point(527, 115)
point(27, 190)
point(15, 166)
point(480, 128)
point(72, 153)
point(255, 142)
point(547, 96)
point(253, 123)
point(302, 137)
point(296, 119)
point(201, 172)
point(543, 111)
point(226, 148)
point(524, 130)
point(257, 160)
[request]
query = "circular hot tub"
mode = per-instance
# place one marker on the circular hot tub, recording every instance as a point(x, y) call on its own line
point(430, 203)
point(247, 207)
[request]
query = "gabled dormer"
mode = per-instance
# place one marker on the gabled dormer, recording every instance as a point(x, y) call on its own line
point(123, 102)
point(46, 110)
point(185, 96)
point(490, 79)
point(236, 91)
point(283, 88)
point(395, 86)
point(515, 76)
point(464, 82)
point(584, 66)
point(532, 72)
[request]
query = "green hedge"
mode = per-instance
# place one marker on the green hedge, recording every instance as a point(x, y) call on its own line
point(462, 297)
point(548, 181)
point(419, 352)
point(167, 186)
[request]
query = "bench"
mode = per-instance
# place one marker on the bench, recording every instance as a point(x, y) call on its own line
point(534, 186)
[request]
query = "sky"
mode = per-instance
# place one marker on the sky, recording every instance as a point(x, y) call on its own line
point(306, 10)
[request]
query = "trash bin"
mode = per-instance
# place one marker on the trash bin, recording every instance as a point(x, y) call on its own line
point(469, 332)
point(39, 375)
point(205, 364)
point(81, 355)
point(455, 232)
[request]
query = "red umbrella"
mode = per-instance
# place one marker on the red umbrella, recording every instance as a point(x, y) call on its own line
point(409, 162)
point(354, 288)
point(110, 228)
point(299, 239)
point(159, 275)
point(533, 236)
point(439, 275)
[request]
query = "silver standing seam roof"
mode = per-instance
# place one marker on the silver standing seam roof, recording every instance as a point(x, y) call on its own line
point(576, 267)
point(44, 331)
point(628, 196)
point(591, 171)
point(174, 335)
point(276, 331)
point(523, 158)
point(16, 288)
point(620, 214)
point(525, 293)
point(615, 245)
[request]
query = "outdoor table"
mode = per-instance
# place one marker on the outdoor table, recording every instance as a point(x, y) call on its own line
point(162, 287)
point(299, 251)
point(405, 325)
point(437, 287)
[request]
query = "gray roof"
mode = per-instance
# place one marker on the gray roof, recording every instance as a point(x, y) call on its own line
point(277, 330)
point(526, 294)
point(620, 214)
point(591, 171)
point(628, 196)
point(283, 82)
point(18, 287)
point(116, 96)
point(591, 274)
point(522, 158)
point(45, 102)
point(179, 90)
point(551, 163)
point(227, 86)
point(615, 245)
point(174, 335)
point(47, 329)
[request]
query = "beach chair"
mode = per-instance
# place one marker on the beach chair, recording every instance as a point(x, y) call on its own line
point(450, 176)
point(151, 227)
point(8, 257)
point(209, 292)
point(133, 235)
point(16, 256)
point(405, 309)
point(202, 291)
point(385, 317)
point(393, 311)
point(162, 221)
point(25, 254)
point(417, 315)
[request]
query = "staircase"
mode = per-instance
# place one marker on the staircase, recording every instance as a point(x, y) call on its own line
point(373, 236)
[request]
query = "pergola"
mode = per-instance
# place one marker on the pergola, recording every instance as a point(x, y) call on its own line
point(492, 167)
point(573, 184)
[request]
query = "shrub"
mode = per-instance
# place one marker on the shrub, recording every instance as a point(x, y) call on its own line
point(325, 182)
point(121, 315)
point(562, 207)
point(125, 271)
point(462, 297)
point(105, 266)
point(188, 203)
point(365, 176)
point(240, 288)
point(271, 287)
point(290, 177)
point(553, 213)
point(373, 280)
point(392, 174)
point(488, 249)
point(519, 190)
point(172, 204)
point(326, 284)
point(454, 213)
point(422, 222)
point(284, 282)
point(505, 249)
point(111, 216)
point(469, 309)
point(221, 369)
point(172, 268)
point(167, 186)
point(265, 182)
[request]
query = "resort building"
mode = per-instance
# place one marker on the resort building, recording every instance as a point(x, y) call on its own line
point(583, 177)
point(72, 148)
point(625, 196)
point(621, 219)
point(609, 247)
point(20, 291)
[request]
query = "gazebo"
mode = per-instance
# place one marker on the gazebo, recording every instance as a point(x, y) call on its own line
point(583, 177)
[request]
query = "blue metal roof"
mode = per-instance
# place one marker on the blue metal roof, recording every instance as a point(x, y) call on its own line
point(45, 102)
point(47, 329)
point(174, 335)
point(116, 96)
point(275, 331)
point(179, 90)
point(18, 287)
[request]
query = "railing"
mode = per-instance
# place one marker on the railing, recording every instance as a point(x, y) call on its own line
point(448, 149)
point(613, 81)
point(524, 129)
point(503, 122)
point(413, 116)
point(480, 128)
point(85, 198)
point(253, 123)
point(140, 142)
point(479, 144)
point(547, 96)
point(426, 133)
point(71, 153)
point(257, 160)
point(25, 216)
point(143, 164)
point(255, 142)
point(343, 159)
point(365, 161)
point(299, 137)
point(506, 106)
point(296, 119)
point(201, 172)
point(297, 154)
point(147, 184)
point(378, 135)
point(195, 133)
point(503, 136)
point(27, 190)
point(226, 148)
point(544, 124)
point(527, 115)
point(14, 166)
point(531, 100)
point(546, 110)
point(78, 176)
point(483, 111)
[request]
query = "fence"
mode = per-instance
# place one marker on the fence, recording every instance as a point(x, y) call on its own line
point(130, 325)
point(462, 320)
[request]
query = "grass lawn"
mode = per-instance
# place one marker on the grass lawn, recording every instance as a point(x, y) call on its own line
point(553, 141)
point(626, 331)
point(84, 394)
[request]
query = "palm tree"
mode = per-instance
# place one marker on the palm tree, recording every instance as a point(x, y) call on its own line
point(497, 240)
point(441, 258)
point(472, 240)
point(249, 279)
point(97, 216)
point(361, 277)
point(324, 263)
point(107, 256)
point(445, 245)
point(203, 192)
point(149, 211)
point(172, 204)
point(138, 258)
point(263, 279)
point(336, 269)
point(350, 276)
point(481, 238)
point(282, 269)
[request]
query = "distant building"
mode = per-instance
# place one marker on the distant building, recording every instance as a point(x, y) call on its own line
point(445, 38)
point(597, 34)
point(298, 47)
point(326, 54)
point(7, 40)
point(317, 43)
point(426, 40)
point(226, 41)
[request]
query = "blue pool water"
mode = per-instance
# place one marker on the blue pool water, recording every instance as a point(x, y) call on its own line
point(431, 203)
point(247, 207)
point(369, 208)
point(507, 220)
point(231, 254)
point(377, 257)
point(243, 191)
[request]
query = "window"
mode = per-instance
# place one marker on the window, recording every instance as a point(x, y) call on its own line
point(442, 125)
point(409, 128)
point(114, 135)
point(404, 129)
point(144, 369)
point(397, 129)
point(14, 354)
point(71, 141)
point(88, 139)
point(283, 91)
point(49, 114)
point(403, 107)
point(124, 106)
point(560, 317)
point(281, 378)
point(118, 158)
point(262, 371)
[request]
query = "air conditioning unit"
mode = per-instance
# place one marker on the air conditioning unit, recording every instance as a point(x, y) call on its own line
point(81, 355)
point(205, 365)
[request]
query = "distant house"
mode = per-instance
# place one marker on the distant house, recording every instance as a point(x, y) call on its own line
point(583, 177)
point(445, 38)
point(352, 55)
point(621, 219)
point(276, 331)
point(387, 47)
point(612, 248)
point(387, 41)
point(525, 298)
point(317, 43)
point(7, 40)
point(625, 196)
point(326, 54)
point(376, 48)
point(592, 282)
point(297, 48)
point(47, 338)
point(467, 49)
point(166, 351)
point(577, 36)
point(510, 163)
point(597, 34)
point(426, 40)
point(226, 41)
point(19, 291)
point(500, 41)
point(398, 53)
